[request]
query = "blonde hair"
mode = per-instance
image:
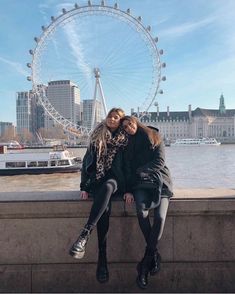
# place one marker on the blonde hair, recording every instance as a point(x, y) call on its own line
point(154, 137)
point(100, 134)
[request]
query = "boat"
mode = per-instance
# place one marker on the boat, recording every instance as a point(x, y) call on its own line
point(59, 160)
point(196, 142)
point(12, 145)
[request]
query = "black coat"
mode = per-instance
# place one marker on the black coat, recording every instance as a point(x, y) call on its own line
point(88, 174)
point(141, 158)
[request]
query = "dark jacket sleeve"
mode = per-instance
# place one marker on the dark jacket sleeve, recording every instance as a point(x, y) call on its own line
point(128, 157)
point(86, 175)
point(157, 163)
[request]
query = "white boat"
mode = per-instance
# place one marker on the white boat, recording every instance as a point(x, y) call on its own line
point(59, 160)
point(14, 145)
point(196, 142)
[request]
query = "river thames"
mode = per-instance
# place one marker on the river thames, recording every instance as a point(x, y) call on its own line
point(191, 167)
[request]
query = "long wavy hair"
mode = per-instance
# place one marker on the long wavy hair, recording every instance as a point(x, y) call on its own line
point(154, 137)
point(101, 133)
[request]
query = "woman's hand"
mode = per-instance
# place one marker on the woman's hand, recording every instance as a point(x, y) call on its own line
point(84, 195)
point(129, 198)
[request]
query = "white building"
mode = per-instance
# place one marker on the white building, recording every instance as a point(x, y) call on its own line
point(65, 98)
point(214, 123)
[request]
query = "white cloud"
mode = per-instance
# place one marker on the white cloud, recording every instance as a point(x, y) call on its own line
point(185, 28)
point(16, 66)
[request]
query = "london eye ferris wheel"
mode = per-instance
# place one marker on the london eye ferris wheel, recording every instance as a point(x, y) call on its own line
point(109, 53)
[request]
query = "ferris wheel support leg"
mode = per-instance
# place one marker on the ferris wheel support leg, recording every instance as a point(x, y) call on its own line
point(102, 98)
point(94, 104)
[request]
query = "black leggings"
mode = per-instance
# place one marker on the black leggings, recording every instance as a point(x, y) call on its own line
point(101, 209)
point(152, 233)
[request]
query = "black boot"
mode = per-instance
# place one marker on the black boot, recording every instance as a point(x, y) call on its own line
point(143, 268)
point(102, 273)
point(155, 264)
point(78, 248)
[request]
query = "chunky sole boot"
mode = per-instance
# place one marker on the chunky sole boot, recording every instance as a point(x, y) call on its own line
point(102, 273)
point(78, 248)
point(143, 271)
point(155, 264)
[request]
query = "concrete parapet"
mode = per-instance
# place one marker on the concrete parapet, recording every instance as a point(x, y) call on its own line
point(197, 247)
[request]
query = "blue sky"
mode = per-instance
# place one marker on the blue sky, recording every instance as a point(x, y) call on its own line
point(197, 36)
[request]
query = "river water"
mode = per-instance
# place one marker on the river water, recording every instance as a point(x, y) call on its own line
point(190, 166)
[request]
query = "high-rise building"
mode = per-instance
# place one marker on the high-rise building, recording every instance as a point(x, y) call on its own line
point(65, 98)
point(24, 111)
point(4, 126)
point(87, 107)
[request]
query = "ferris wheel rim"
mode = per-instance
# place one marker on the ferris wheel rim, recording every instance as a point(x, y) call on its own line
point(89, 9)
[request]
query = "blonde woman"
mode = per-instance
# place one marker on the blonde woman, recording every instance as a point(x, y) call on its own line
point(149, 183)
point(102, 176)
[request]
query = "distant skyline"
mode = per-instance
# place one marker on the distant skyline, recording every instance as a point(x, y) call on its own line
point(197, 37)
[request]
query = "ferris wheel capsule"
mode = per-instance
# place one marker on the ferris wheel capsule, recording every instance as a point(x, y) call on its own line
point(89, 2)
point(128, 10)
point(76, 6)
point(36, 39)
point(156, 39)
point(102, 3)
point(139, 18)
point(43, 28)
point(29, 78)
point(161, 51)
point(163, 78)
point(64, 10)
point(163, 64)
point(29, 65)
point(160, 91)
point(149, 28)
point(116, 6)
point(31, 51)
point(52, 18)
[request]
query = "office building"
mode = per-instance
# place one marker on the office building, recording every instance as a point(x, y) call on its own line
point(87, 107)
point(65, 98)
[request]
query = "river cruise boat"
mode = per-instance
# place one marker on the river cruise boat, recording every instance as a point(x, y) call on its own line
point(196, 142)
point(12, 145)
point(59, 160)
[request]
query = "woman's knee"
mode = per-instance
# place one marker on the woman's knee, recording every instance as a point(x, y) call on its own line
point(142, 213)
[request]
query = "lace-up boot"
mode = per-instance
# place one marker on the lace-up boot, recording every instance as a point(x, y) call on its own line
point(143, 268)
point(78, 248)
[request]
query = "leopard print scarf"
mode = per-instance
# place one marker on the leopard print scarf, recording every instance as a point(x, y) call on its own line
point(104, 159)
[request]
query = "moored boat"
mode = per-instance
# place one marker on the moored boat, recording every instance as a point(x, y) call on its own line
point(196, 142)
point(59, 160)
point(12, 145)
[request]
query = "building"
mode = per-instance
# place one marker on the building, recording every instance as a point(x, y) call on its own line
point(65, 98)
point(24, 111)
point(87, 107)
point(215, 123)
point(4, 127)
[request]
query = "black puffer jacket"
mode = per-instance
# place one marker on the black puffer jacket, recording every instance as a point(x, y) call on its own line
point(88, 175)
point(141, 158)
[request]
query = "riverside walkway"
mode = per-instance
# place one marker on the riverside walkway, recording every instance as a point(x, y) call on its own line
point(37, 229)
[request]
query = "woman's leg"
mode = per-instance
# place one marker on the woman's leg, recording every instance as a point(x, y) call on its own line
point(143, 201)
point(100, 204)
point(101, 201)
point(158, 223)
point(102, 273)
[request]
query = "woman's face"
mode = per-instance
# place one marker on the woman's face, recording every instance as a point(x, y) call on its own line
point(130, 127)
point(113, 121)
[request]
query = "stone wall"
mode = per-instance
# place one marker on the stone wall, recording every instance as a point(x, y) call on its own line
point(197, 247)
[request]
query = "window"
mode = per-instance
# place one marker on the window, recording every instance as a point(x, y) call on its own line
point(32, 163)
point(15, 164)
point(63, 162)
point(42, 163)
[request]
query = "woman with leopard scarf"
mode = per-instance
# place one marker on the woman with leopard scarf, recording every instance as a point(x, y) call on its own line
point(102, 176)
